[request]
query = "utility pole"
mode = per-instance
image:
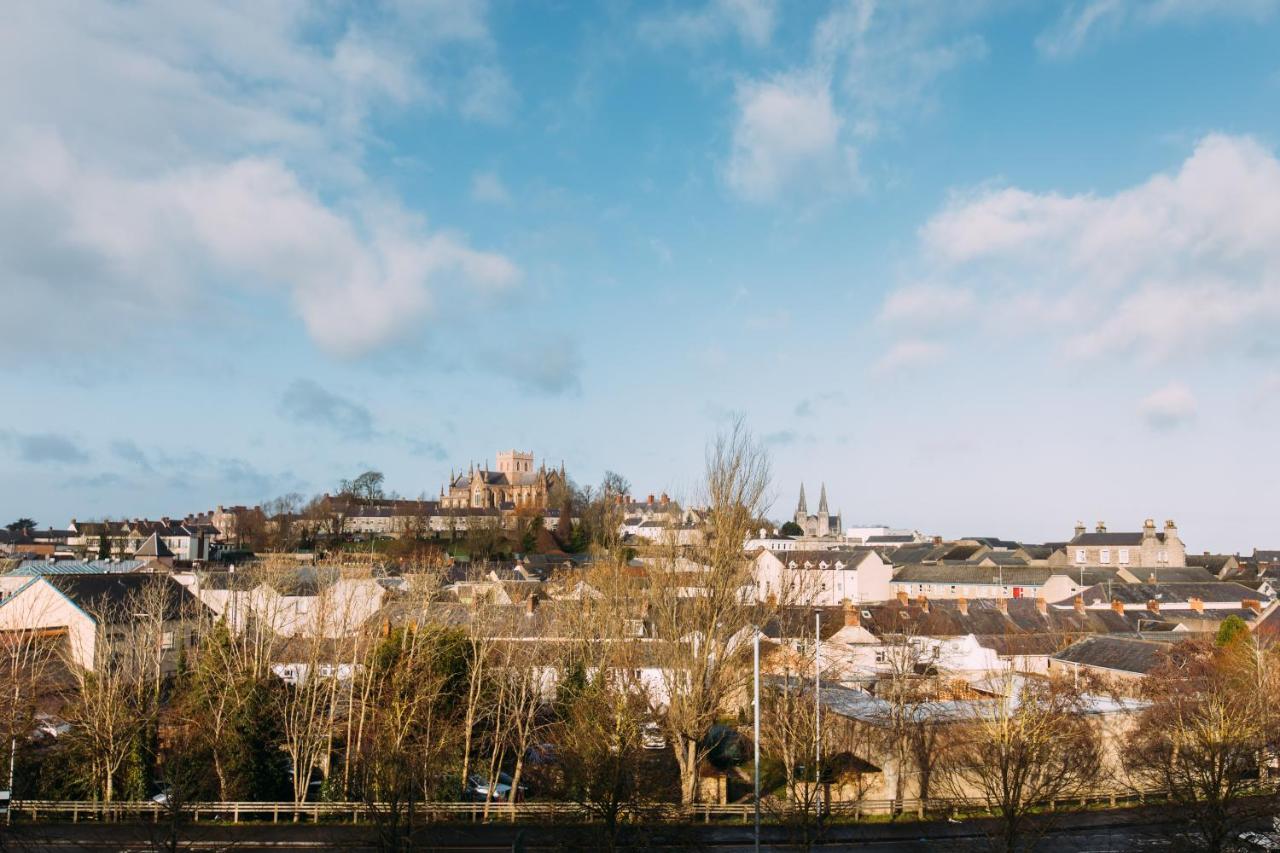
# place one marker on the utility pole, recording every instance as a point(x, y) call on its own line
point(755, 673)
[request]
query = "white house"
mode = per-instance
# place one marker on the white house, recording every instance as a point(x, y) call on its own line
point(87, 610)
point(822, 578)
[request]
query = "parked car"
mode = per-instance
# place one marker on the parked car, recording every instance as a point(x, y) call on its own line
point(651, 736)
point(1258, 841)
point(478, 789)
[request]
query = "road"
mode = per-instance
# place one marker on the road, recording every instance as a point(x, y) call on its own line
point(1095, 831)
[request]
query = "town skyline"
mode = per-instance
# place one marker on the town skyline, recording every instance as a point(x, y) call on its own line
point(987, 270)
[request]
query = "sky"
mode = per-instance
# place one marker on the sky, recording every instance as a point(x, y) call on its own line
point(982, 268)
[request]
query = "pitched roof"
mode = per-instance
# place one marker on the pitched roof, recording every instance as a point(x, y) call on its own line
point(1141, 593)
point(153, 547)
point(974, 575)
point(113, 593)
point(1125, 654)
point(1109, 538)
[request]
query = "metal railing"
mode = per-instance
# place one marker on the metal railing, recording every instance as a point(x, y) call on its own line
point(362, 812)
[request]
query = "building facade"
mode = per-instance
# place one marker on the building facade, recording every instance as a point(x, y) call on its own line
point(515, 484)
point(821, 526)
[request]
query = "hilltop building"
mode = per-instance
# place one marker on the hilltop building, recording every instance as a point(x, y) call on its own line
point(514, 485)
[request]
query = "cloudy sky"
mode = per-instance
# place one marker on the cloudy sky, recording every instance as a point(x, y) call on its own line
point(984, 268)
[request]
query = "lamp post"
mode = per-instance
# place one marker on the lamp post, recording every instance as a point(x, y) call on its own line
point(817, 705)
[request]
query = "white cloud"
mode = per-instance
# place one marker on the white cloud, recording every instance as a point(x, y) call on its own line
point(1166, 408)
point(870, 64)
point(155, 154)
point(359, 279)
point(787, 136)
point(1179, 262)
point(908, 354)
point(753, 21)
point(1087, 20)
point(926, 303)
point(488, 188)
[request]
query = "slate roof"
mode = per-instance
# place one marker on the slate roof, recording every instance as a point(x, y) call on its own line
point(1141, 593)
point(975, 575)
point(153, 547)
point(114, 592)
point(75, 567)
point(1125, 654)
point(850, 557)
point(1173, 574)
point(1110, 538)
point(1214, 563)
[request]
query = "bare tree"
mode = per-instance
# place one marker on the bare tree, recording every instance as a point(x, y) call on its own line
point(1033, 745)
point(1208, 737)
point(118, 698)
point(28, 658)
point(702, 598)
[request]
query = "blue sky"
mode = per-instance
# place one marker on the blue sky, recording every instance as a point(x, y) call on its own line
point(983, 268)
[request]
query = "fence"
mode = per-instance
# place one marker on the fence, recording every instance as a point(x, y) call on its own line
point(356, 812)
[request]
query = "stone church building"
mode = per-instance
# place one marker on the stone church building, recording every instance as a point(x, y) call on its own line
point(514, 485)
point(822, 525)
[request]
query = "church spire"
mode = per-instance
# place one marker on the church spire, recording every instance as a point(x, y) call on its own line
point(822, 500)
point(802, 508)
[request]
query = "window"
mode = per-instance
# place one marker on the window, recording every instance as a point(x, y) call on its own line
point(1124, 556)
point(166, 640)
point(1104, 556)
point(1080, 555)
point(881, 656)
point(1162, 557)
point(953, 589)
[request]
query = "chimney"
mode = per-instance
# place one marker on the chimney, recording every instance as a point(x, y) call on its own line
point(1149, 529)
point(1206, 553)
point(1102, 527)
point(1078, 604)
point(1153, 605)
point(1042, 605)
point(531, 604)
point(923, 603)
point(1117, 605)
point(1079, 528)
point(772, 599)
point(1197, 604)
point(1170, 529)
point(937, 540)
point(851, 619)
point(650, 501)
point(665, 499)
point(1002, 604)
point(903, 598)
point(962, 604)
point(1252, 604)
point(1151, 578)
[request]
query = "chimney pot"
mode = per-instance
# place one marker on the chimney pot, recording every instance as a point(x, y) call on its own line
point(903, 598)
point(1042, 605)
point(1197, 605)
point(851, 619)
point(1078, 604)
point(1153, 605)
point(1117, 605)
point(1252, 604)
point(923, 603)
point(1079, 528)
point(650, 501)
point(962, 604)
point(1102, 527)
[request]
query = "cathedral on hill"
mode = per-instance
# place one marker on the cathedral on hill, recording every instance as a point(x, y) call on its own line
point(514, 485)
point(824, 525)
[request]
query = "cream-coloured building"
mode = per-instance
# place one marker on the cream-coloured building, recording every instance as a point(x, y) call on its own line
point(1148, 547)
point(514, 485)
point(822, 578)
